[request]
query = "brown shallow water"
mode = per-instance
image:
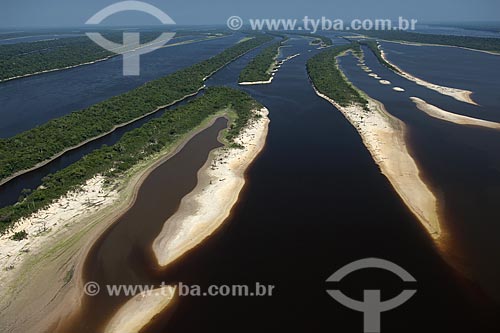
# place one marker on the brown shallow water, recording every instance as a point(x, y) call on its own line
point(124, 250)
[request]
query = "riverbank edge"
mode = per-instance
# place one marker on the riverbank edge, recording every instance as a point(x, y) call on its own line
point(101, 59)
point(396, 129)
point(438, 113)
point(43, 163)
point(207, 207)
point(461, 95)
point(38, 291)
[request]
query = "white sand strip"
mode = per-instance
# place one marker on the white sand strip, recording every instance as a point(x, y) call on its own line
point(276, 68)
point(140, 310)
point(92, 197)
point(458, 94)
point(451, 117)
point(220, 181)
point(384, 137)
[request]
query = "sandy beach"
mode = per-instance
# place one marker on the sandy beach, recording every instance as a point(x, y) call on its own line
point(451, 117)
point(42, 275)
point(441, 45)
point(220, 181)
point(384, 137)
point(140, 309)
point(275, 68)
point(458, 94)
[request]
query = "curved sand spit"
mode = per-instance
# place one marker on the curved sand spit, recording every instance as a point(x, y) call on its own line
point(384, 137)
point(220, 181)
point(458, 94)
point(140, 309)
point(441, 114)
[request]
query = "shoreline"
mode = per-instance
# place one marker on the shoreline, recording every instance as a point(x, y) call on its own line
point(438, 113)
point(385, 138)
point(208, 206)
point(43, 163)
point(97, 60)
point(439, 45)
point(47, 286)
point(276, 66)
point(458, 94)
point(140, 310)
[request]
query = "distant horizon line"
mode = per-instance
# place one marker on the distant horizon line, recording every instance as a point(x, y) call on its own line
point(420, 23)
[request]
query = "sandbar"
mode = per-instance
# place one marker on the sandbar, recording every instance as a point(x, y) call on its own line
point(220, 181)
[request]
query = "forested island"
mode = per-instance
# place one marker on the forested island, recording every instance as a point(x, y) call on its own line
point(374, 47)
point(39, 145)
point(478, 43)
point(329, 80)
point(26, 58)
point(138, 145)
point(261, 67)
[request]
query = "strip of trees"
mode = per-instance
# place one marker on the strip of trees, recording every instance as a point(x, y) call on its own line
point(135, 146)
point(260, 68)
point(27, 58)
point(478, 43)
point(329, 80)
point(30, 148)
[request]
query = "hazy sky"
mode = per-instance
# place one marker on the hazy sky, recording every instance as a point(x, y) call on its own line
point(21, 13)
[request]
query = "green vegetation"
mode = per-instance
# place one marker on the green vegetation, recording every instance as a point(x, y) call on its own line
point(324, 41)
point(135, 146)
point(478, 43)
point(27, 149)
point(27, 58)
point(19, 236)
point(259, 69)
point(33, 57)
point(328, 78)
point(374, 47)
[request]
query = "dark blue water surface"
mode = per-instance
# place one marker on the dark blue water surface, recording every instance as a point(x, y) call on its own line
point(461, 163)
point(10, 192)
point(28, 102)
point(476, 71)
point(315, 200)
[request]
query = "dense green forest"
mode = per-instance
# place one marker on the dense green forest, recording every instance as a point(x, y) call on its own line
point(325, 40)
point(329, 80)
point(39, 144)
point(259, 69)
point(374, 48)
point(478, 43)
point(31, 57)
point(135, 146)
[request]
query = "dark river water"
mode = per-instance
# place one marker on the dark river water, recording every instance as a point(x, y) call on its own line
point(461, 163)
point(32, 101)
point(185, 56)
point(454, 67)
point(314, 201)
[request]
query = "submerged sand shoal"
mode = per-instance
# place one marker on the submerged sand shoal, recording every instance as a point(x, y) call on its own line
point(384, 137)
point(220, 181)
